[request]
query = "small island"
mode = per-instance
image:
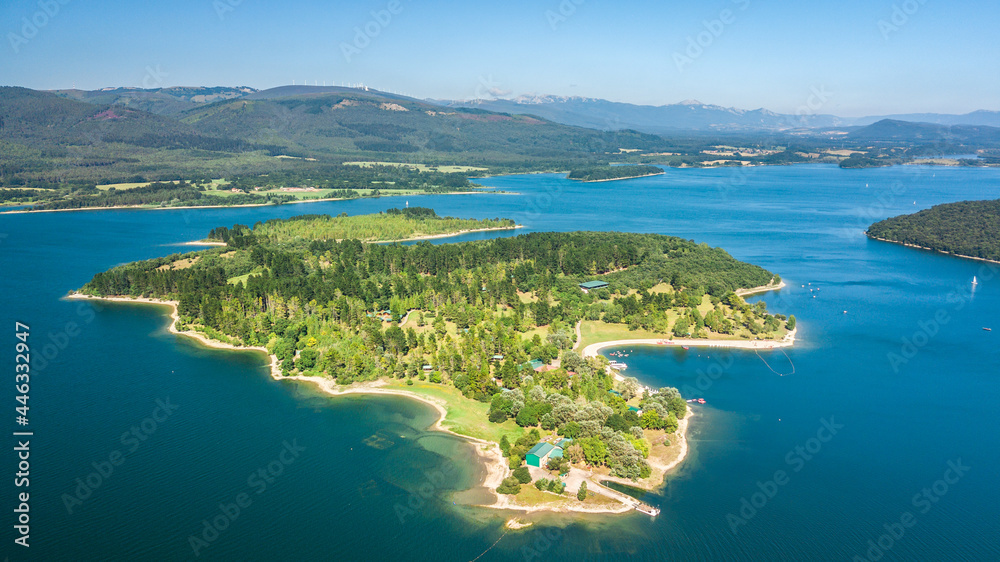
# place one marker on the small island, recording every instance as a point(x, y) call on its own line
point(500, 335)
point(967, 229)
point(611, 173)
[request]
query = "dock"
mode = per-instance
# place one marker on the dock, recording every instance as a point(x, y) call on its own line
point(625, 499)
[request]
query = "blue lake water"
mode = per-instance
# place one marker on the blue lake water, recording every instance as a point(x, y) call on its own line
point(907, 377)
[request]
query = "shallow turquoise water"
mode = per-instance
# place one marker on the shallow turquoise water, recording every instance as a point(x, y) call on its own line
point(353, 492)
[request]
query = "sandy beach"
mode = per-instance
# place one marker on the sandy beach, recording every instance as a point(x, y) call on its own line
point(761, 289)
point(448, 234)
point(788, 341)
point(199, 243)
point(908, 245)
point(617, 179)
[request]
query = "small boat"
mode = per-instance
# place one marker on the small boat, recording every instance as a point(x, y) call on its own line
point(684, 347)
point(701, 400)
point(987, 329)
point(618, 365)
point(974, 282)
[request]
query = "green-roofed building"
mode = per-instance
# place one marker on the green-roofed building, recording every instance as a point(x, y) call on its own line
point(539, 454)
point(592, 285)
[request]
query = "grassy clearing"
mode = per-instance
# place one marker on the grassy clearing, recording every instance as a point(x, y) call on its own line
point(238, 279)
point(596, 331)
point(215, 184)
point(180, 264)
point(121, 186)
point(532, 496)
point(465, 416)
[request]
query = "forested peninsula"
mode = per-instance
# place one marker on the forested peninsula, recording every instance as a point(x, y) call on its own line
point(966, 229)
point(482, 329)
point(608, 173)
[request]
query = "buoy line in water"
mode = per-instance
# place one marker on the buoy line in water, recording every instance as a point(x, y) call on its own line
point(491, 546)
point(772, 368)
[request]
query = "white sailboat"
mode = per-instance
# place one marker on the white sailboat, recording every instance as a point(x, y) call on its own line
point(974, 282)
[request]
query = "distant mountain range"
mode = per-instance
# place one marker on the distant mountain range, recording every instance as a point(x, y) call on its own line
point(110, 134)
point(55, 138)
point(692, 115)
point(591, 113)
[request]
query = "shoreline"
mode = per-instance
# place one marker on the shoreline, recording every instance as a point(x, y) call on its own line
point(908, 245)
point(762, 289)
point(488, 452)
point(172, 328)
point(788, 341)
point(185, 207)
point(446, 235)
point(617, 179)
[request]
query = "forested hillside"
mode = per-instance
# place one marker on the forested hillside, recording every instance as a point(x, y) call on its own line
point(58, 144)
point(966, 228)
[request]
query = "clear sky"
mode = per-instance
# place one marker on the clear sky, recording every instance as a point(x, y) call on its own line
point(864, 56)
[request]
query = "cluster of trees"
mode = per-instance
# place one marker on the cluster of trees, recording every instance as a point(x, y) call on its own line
point(354, 177)
point(26, 195)
point(157, 193)
point(604, 430)
point(600, 173)
point(967, 228)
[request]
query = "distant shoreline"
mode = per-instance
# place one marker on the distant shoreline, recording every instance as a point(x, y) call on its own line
point(660, 173)
point(184, 207)
point(908, 245)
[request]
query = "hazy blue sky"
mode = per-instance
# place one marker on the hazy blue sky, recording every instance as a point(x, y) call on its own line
point(941, 56)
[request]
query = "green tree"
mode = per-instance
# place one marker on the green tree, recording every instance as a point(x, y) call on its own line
point(594, 450)
point(581, 494)
point(523, 475)
point(505, 445)
point(307, 358)
point(510, 486)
